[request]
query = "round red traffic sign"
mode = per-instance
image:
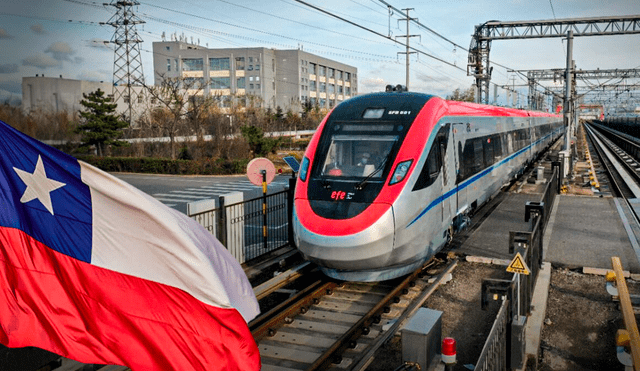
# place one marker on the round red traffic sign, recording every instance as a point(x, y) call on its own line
point(257, 166)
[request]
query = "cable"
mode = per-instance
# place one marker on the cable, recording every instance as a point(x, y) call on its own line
point(377, 33)
point(251, 29)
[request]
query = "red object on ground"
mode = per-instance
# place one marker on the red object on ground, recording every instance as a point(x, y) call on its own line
point(449, 350)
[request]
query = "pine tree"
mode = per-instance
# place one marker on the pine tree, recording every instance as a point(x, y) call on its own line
point(101, 126)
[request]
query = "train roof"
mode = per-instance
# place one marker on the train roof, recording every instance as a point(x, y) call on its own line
point(414, 102)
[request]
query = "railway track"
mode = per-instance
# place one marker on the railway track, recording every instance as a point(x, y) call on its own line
point(334, 325)
point(623, 169)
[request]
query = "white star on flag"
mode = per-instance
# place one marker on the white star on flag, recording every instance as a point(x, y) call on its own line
point(38, 185)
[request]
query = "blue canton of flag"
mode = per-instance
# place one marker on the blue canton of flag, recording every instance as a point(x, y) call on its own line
point(41, 193)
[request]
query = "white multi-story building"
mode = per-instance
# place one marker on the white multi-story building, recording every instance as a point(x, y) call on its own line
point(278, 78)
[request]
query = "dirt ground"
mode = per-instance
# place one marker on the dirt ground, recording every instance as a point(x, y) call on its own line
point(580, 323)
point(462, 317)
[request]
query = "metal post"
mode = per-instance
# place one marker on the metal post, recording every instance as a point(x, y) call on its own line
point(290, 195)
point(222, 222)
point(264, 208)
point(567, 94)
point(407, 64)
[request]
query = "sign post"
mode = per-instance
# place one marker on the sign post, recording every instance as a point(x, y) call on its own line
point(518, 266)
point(261, 172)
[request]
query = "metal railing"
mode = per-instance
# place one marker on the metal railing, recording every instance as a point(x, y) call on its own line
point(241, 226)
point(504, 347)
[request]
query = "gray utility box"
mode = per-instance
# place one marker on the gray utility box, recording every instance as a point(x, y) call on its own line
point(422, 337)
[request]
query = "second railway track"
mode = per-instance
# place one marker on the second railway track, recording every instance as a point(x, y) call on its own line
point(340, 325)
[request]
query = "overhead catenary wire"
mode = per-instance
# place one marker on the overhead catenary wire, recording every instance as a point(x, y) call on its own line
point(377, 33)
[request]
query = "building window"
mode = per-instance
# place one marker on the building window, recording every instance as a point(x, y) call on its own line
point(168, 48)
point(241, 84)
point(332, 89)
point(347, 76)
point(250, 67)
point(220, 83)
point(251, 86)
point(322, 71)
point(168, 64)
point(323, 87)
point(347, 90)
point(250, 78)
point(193, 82)
point(339, 89)
point(312, 85)
point(273, 85)
point(257, 78)
point(250, 59)
point(332, 73)
point(313, 68)
point(257, 86)
point(339, 75)
point(219, 64)
point(239, 63)
point(192, 64)
point(257, 66)
point(140, 98)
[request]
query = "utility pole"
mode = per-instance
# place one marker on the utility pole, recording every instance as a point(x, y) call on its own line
point(408, 19)
point(568, 89)
point(127, 64)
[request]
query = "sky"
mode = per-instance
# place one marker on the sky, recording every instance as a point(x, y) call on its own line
point(65, 37)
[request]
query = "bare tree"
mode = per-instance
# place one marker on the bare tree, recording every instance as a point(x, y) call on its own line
point(178, 107)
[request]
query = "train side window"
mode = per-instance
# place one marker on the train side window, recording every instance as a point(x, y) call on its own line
point(431, 168)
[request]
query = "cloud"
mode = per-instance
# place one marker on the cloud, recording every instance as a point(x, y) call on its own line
point(4, 34)
point(11, 86)
point(95, 76)
point(78, 60)
point(41, 61)
point(60, 51)
point(8, 68)
point(12, 99)
point(37, 29)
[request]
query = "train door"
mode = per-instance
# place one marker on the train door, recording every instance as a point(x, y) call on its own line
point(458, 138)
point(449, 166)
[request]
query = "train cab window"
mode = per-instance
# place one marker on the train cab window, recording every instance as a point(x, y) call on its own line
point(356, 156)
point(435, 159)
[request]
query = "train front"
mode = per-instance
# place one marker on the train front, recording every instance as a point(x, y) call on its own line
point(353, 170)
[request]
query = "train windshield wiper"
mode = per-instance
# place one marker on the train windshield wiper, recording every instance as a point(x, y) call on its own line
point(364, 181)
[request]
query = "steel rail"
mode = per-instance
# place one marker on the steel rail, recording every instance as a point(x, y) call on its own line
point(267, 323)
point(608, 167)
point(333, 354)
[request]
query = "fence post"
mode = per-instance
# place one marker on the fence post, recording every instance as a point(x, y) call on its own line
point(221, 229)
point(234, 225)
point(290, 194)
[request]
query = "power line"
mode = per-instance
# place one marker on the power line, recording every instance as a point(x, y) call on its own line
point(254, 30)
point(293, 21)
point(377, 33)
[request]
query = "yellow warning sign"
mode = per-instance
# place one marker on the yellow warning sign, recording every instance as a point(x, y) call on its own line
point(518, 265)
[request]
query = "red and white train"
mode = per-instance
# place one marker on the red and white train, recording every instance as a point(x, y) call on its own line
point(389, 177)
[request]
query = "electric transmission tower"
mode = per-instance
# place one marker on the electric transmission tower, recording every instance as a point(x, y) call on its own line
point(127, 63)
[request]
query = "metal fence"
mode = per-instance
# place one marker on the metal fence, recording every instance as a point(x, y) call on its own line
point(504, 348)
point(248, 228)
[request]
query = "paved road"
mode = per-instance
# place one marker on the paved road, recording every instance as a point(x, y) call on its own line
point(176, 191)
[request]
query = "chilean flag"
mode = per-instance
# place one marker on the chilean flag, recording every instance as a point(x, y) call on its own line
point(95, 270)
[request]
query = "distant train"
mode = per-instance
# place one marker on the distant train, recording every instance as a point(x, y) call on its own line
point(388, 178)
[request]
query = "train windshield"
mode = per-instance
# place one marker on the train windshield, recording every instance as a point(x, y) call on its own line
point(358, 155)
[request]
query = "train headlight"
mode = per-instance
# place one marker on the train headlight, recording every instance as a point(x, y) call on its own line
point(304, 168)
point(401, 171)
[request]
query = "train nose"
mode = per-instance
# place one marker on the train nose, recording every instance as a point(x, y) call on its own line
point(369, 249)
